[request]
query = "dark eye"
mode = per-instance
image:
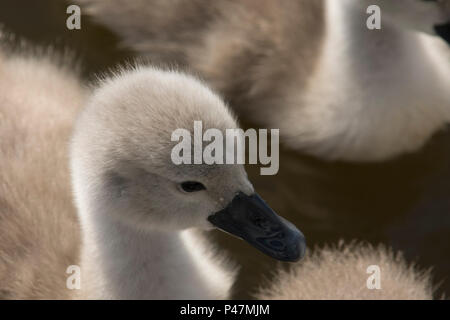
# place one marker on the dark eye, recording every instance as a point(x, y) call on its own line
point(192, 186)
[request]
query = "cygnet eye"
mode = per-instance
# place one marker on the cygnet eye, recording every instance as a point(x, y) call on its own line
point(192, 186)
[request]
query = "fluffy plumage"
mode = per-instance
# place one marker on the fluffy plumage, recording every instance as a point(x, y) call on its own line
point(126, 184)
point(39, 236)
point(341, 273)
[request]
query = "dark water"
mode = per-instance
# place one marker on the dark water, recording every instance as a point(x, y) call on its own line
point(404, 202)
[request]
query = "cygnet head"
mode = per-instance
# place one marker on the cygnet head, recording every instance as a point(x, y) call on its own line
point(122, 168)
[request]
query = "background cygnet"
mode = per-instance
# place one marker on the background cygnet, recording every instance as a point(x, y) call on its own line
point(353, 271)
point(40, 94)
point(311, 68)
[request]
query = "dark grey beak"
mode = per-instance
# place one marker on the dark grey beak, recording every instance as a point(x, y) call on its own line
point(251, 219)
point(443, 30)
